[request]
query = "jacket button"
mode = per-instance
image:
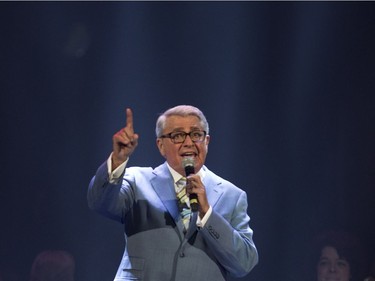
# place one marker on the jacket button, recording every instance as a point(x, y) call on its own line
point(182, 255)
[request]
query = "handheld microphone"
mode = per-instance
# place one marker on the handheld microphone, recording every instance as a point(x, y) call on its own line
point(188, 164)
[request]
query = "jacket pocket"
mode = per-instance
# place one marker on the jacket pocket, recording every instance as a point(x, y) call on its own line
point(132, 268)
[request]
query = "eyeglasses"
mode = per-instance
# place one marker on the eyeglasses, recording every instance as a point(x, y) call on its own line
point(179, 137)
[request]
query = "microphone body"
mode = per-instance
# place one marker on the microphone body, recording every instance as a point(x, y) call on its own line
point(188, 163)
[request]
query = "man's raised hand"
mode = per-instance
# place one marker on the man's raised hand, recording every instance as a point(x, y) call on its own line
point(124, 141)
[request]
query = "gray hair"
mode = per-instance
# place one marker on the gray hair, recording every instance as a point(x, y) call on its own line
point(180, 110)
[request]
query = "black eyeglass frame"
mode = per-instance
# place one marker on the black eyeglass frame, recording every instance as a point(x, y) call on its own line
point(184, 134)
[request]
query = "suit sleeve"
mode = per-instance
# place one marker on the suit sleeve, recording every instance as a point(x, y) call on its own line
point(112, 200)
point(230, 237)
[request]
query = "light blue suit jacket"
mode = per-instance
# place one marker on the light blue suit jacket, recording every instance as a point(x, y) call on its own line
point(155, 247)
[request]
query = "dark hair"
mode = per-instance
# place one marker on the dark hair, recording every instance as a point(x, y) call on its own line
point(347, 246)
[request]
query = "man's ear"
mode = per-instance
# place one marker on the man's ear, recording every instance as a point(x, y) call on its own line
point(208, 139)
point(160, 145)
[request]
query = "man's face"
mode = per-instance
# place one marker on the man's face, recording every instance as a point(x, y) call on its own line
point(175, 152)
point(331, 267)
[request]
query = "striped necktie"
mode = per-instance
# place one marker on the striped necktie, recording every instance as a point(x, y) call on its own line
point(183, 206)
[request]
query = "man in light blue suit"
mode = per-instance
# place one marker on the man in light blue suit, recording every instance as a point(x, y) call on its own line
point(216, 242)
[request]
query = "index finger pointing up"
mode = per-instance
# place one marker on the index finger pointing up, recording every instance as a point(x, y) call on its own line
point(129, 119)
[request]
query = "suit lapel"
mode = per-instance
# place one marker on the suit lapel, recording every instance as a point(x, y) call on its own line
point(213, 187)
point(163, 186)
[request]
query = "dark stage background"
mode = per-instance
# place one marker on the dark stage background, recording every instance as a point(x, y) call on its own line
point(288, 89)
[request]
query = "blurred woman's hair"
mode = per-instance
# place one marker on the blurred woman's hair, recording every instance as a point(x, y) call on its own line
point(53, 265)
point(348, 247)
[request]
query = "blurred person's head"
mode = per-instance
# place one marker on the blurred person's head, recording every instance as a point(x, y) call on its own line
point(331, 266)
point(336, 256)
point(371, 271)
point(53, 265)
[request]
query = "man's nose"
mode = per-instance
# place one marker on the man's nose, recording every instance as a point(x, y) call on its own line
point(188, 140)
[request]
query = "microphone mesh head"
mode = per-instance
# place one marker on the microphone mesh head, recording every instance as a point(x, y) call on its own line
point(188, 164)
point(187, 161)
